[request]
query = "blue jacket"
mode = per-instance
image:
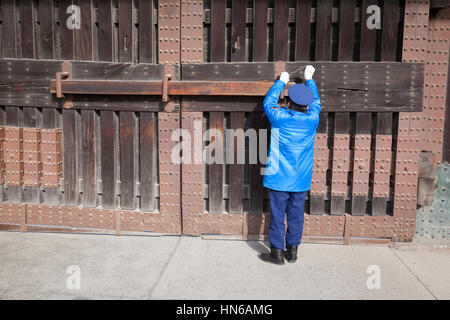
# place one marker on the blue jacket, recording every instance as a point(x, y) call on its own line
point(290, 163)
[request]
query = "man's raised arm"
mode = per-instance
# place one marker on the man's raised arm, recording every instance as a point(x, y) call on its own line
point(314, 107)
point(271, 100)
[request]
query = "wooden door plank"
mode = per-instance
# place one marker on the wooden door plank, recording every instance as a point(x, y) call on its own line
point(258, 121)
point(238, 16)
point(105, 32)
point(84, 35)
point(69, 136)
point(46, 29)
point(31, 194)
point(84, 51)
point(236, 170)
point(46, 51)
point(127, 119)
point(216, 119)
point(148, 160)
point(216, 125)
point(69, 148)
point(368, 36)
point(391, 14)
point(27, 23)
point(9, 29)
point(281, 30)
point(303, 30)
point(108, 154)
point(218, 9)
point(346, 29)
point(145, 31)
point(323, 30)
point(66, 35)
point(127, 160)
point(260, 30)
point(70, 157)
point(125, 31)
point(88, 147)
point(108, 130)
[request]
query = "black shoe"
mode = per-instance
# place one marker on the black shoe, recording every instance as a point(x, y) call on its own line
point(291, 254)
point(275, 256)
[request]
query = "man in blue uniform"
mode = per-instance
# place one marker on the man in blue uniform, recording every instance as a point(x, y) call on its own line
point(288, 171)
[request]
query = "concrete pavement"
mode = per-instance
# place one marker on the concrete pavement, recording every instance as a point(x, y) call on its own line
point(37, 266)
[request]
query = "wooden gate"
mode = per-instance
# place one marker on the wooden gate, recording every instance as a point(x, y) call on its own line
point(96, 154)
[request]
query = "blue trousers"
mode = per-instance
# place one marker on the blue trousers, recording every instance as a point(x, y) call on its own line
point(293, 204)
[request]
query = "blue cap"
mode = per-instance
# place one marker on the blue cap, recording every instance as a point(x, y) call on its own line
point(301, 94)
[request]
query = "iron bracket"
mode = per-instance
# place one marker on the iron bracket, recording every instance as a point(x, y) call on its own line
point(65, 74)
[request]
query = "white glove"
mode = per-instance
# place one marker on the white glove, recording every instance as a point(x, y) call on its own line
point(309, 72)
point(284, 77)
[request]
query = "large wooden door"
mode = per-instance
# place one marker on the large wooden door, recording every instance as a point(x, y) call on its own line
point(91, 163)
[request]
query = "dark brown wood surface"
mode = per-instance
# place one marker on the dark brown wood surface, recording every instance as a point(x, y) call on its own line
point(303, 30)
point(89, 149)
point(46, 51)
point(260, 30)
point(346, 29)
point(105, 31)
point(238, 42)
point(216, 180)
point(389, 32)
point(108, 152)
point(46, 28)
point(31, 116)
point(31, 86)
point(127, 160)
point(146, 29)
point(323, 30)
point(258, 121)
point(281, 30)
point(9, 29)
point(236, 170)
point(70, 157)
point(27, 23)
point(218, 30)
point(71, 135)
point(125, 31)
point(66, 35)
point(368, 43)
point(127, 119)
point(108, 122)
point(148, 160)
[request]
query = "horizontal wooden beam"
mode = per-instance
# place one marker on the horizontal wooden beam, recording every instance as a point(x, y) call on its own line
point(175, 88)
point(343, 86)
